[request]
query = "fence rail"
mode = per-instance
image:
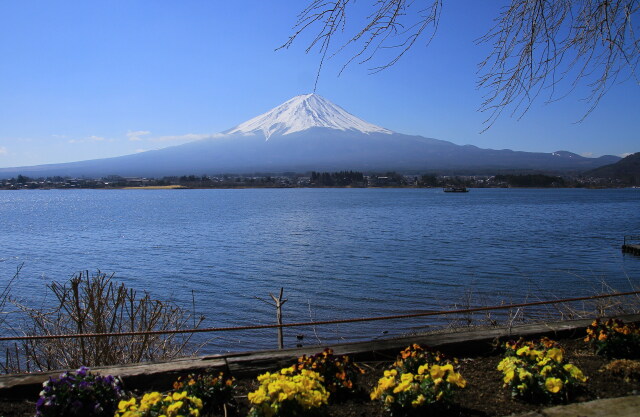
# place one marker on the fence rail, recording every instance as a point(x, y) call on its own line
point(323, 322)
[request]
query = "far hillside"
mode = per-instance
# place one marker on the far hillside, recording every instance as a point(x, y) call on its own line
point(627, 170)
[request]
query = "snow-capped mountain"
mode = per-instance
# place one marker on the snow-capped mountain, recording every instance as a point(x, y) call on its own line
point(304, 112)
point(309, 133)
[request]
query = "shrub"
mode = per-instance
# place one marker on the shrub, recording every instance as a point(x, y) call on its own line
point(154, 404)
point(339, 372)
point(96, 304)
point(214, 391)
point(614, 339)
point(79, 393)
point(418, 378)
point(288, 393)
point(538, 371)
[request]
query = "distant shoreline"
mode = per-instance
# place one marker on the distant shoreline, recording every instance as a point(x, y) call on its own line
point(267, 187)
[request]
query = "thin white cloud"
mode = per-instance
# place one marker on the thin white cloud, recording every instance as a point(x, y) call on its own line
point(624, 155)
point(3, 150)
point(137, 135)
point(587, 154)
point(139, 150)
point(88, 139)
point(184, 138)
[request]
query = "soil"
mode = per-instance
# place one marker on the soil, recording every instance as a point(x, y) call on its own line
point(483, 396)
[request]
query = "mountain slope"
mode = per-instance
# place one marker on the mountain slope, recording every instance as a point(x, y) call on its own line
point(627, 170)
point(309, 133)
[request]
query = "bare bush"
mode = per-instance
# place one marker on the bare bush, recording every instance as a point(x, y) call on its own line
point(97, 304)
point(5, 296)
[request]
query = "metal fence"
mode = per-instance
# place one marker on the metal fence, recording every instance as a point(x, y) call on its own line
point(323, 322)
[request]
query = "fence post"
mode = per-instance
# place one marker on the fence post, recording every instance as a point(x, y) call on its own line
point(278, 303)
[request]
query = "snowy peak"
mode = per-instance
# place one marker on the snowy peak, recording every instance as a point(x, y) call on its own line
point(304, 112)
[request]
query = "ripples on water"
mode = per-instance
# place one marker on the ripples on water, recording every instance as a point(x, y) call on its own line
point(337, 252)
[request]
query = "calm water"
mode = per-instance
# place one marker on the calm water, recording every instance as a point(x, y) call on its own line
point(337, 252)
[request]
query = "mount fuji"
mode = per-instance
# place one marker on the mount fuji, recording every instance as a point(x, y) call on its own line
point(305, 112)
point(308, 132)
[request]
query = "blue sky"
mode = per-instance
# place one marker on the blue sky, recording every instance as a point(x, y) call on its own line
point(90, 79)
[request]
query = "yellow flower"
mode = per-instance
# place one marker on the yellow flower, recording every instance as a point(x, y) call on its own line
point(127, 405)
point(543, 362)
point(555, 354)
point(524, 374)
point(506, 363)
point(535, 354)
point(575, 372)
point(545, 370)
point(172, 410)
point(448, 368)
point(523, 351)
point(437, 372)
point(150, 399)
point(401, 387)
point(387, 382)
point(456, 378)
point(509, 375)
point(553, 385)
point(407, 377)
point(418, 401)
point(257, 397)
point(197, 402)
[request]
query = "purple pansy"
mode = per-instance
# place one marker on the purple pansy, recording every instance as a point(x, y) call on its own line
point(79, 393)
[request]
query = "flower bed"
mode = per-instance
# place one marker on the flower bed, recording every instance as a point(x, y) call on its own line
point(483, 394)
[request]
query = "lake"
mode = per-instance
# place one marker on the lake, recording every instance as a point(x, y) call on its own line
point(338, 253)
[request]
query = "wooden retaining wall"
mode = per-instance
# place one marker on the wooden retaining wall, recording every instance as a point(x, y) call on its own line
point(148, 376)
point(633, 249)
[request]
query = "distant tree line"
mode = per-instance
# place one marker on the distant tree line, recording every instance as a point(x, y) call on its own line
point(531, 180)
point(340, 179)
point(610, 176)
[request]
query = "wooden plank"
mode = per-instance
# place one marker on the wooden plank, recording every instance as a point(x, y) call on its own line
point(633, 249)
point(158, 375)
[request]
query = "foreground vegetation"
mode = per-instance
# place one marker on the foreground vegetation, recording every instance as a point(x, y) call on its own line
point(95, 303)
point(520, 375)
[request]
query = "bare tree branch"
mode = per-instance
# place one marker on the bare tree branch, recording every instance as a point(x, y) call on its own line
point(539, 43)
point(392, 25)
point(534, 44)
